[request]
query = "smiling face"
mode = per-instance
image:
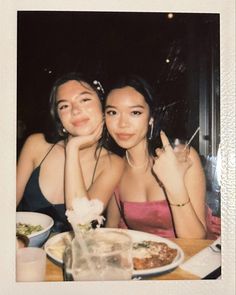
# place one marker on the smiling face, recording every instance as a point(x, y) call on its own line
point(127, 117)
point(78, 107)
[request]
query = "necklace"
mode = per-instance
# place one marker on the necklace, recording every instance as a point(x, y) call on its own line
point(133, 166)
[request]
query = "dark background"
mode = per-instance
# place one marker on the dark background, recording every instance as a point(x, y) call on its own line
point(110, 44)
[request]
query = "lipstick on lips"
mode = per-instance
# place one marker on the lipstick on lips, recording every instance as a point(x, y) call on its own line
point(80, 122)
point(124, 136)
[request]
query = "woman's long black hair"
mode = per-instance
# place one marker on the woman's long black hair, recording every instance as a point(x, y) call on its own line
point(143, 87)
point(57, 133)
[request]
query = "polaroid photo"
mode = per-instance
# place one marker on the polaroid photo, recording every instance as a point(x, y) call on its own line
point(186, 50)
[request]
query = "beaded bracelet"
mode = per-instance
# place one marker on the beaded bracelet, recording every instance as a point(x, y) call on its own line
point(181, 204)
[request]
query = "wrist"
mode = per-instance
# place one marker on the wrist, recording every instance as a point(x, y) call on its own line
point(177, 195)
point(176, 189)
point(180, 204)
point(72, 147)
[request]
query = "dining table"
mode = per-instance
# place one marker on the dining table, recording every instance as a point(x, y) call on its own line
point(190, 247)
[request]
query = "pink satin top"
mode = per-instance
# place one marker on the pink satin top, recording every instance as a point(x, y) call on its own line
point(152, 217)
point(155, 218)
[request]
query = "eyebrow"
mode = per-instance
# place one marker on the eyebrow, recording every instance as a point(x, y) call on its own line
point(131, 107)
point(81, 94)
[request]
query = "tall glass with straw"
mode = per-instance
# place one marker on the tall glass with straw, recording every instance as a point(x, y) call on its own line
point(182, 147)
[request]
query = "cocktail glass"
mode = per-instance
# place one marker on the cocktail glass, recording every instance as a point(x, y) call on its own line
point(181, 148)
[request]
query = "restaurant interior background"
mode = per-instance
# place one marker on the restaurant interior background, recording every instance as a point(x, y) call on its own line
point(178, 53)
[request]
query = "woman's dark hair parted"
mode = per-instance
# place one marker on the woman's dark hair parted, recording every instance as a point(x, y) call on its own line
point(58, 133)
point(148, 92)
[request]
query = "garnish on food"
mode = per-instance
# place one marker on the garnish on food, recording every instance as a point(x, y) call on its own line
point(27, 229)
point(84, 212)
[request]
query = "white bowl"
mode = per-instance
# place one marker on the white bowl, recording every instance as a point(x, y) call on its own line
point(36, 239)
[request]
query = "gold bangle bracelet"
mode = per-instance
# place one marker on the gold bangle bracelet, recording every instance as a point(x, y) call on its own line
point(181, 204)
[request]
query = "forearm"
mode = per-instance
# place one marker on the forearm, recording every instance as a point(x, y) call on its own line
point(186, 221)
point(183, 180)
point(74, 181)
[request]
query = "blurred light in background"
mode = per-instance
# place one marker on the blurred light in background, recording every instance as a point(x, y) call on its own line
point(170, 15)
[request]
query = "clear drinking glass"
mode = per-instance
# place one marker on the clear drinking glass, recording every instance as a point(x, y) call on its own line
point(107, 256)
point(30, 264)
point(181, 148)
point(67, 264)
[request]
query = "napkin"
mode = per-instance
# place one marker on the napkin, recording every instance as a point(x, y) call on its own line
point(205, 261)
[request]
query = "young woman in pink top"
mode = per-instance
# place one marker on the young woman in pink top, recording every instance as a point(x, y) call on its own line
point(158, 192)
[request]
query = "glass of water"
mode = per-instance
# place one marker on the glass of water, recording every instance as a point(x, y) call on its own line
point(103, 255)
point(67, 264)
point(30, 264)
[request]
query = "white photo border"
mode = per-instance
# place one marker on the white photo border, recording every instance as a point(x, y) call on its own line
point(8, 74)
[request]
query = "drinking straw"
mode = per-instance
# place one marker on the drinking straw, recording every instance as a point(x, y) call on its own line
point(192, 137)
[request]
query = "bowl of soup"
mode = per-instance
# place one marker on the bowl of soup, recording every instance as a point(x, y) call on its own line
point(35, 226)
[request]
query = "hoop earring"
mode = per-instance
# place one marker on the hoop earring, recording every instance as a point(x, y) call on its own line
point(151, 132)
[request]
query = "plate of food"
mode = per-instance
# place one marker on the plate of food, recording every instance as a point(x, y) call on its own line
point(151, 254)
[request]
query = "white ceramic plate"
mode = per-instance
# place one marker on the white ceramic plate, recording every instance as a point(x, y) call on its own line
point(137, 236)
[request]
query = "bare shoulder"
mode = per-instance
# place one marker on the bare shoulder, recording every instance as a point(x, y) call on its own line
point(196, 162)
point(194, 156)
point(36, 141)
point(35, 145)
point(114, 161)
point(36, 137)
